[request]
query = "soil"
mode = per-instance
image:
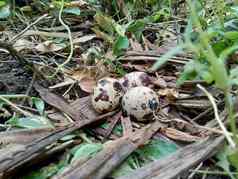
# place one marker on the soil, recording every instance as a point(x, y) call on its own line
point(14, 78)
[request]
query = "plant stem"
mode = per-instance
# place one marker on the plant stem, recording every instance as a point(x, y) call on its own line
point(213, 172)
point(231, 118)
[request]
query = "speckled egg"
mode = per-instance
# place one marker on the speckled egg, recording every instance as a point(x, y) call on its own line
point(135, 79)
point(140, 103)
point(107, 95)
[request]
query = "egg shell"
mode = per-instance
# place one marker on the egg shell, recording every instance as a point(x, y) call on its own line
point(107, 95)
point(135, 79)
point(140, 103)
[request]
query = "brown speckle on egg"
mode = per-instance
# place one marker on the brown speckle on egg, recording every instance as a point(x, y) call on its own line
point(117, 86)
point(140, 102)
point(145, 79)
point(135, 79)
point(107, 95)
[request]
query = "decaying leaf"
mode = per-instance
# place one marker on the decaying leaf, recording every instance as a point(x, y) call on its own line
point(170, 93)
point(23, 44)
point(84, 77)
point(83, 39)
point(179, 135)
point(23, 136)
point(49, 46)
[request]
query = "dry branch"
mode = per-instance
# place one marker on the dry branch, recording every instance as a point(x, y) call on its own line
point(179, 162)
point(111, 156)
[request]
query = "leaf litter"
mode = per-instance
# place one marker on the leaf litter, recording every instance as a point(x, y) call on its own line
point(79, 142)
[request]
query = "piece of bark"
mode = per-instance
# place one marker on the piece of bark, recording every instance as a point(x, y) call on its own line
point(58, 102)
point(111, 156)
point(20, 157)
point(32, 151)
point(178, 162)
point(79, 109)
point(126, 125)
point(112, 124)
point(23, 136)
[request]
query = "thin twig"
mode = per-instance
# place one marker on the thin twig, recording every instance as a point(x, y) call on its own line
point(15, 107)
point(225, 132)
point(16, 37)
point(70, 41)
point(29, 88)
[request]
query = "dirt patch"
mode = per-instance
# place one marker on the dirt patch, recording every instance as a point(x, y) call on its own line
point(14, 78)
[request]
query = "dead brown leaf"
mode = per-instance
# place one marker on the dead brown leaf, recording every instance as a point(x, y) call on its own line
point(49, 46)
point(179, 135)
point(23, 44)
point(83, 39)
point(170, 93)
point(85, 77)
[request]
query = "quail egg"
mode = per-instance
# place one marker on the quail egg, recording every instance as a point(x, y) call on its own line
point(135, 79)
point(140, 103)
point(107, 95)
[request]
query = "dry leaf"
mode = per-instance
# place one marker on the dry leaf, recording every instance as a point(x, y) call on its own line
point(85, 77)
point(170, 93)
point(78, 3)
point(160, 82)
point(49, 46)
point(87, 84)
point(179, 135)
point(23, 44)
point(84, 39)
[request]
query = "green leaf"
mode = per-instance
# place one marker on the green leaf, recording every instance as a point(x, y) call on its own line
point(233, 158)
point(120, 29)
point(156, 149)
point(136, 28)
point(5, 12)
point(223, 161)
point(233, 77)
point(2, 103)
point(219, 46)
point(39, 104)
point(29, 122)
point(117, 130)
point(225, 53)
point(231, 35)
point(125, 168)
point(121, 44)
point(162, 60)
point(2, 3)
point(105, 23)
point(73, 10)
point(207, 76)
point(219, 73)
point(45, 172)
point(86, 150)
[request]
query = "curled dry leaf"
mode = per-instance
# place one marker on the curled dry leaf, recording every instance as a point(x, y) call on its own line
point(87, 84)
point(49, 46)
point(23, 44)
point(85, 77)
point(78, 3)
point(84, 39)
point(170, 93)
point(179, 135)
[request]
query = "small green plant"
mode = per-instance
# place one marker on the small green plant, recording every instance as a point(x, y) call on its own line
point(211, 42)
